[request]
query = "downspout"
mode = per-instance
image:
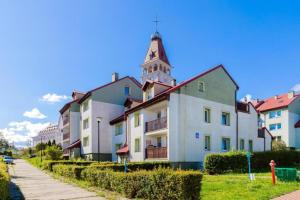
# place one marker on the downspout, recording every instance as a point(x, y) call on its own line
point(237, 122)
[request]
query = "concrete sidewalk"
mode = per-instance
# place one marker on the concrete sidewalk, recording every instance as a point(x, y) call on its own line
point(291, 196)
point(36, 185)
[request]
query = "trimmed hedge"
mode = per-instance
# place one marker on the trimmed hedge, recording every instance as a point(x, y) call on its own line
point(131, 166)
point(4, 182)
point(48, 165)
point(237, 161)
point(160, 184)
point(70, 171)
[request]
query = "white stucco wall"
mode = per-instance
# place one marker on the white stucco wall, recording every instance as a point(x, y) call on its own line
point(74, 126)
point(117, 139)
point(187, 118)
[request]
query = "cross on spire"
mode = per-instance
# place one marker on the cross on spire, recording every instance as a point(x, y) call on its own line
point(156, 22)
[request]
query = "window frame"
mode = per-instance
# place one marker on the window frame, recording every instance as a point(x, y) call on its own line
point(119, 129)
point(129, 90)
point(85, 141)
point(137, 145)
point(242, 141)
point(208, 110)
point(227, 115)
point(137, 120)
point(201, 86)
point(207, 143)
point(85, 106)
point(229, 145)
point(84, 123)
point(250, 142)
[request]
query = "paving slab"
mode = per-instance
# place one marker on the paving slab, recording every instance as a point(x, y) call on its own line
point(35, 184)
point(291, 196)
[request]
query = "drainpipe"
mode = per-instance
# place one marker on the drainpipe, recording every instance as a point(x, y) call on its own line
point(237, 122)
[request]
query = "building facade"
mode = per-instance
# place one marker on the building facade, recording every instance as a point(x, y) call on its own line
point(51, 133)
point(280, 114)
point(182, 123)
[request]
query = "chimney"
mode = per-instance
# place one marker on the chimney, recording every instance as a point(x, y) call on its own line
point(276, 97)
point(115, 77)
point(173, 82)
point(291, 94)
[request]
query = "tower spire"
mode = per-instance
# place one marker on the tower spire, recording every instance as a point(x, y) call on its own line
point(156, 23)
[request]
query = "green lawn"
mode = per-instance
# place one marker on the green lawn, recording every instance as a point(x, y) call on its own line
point(238, 186)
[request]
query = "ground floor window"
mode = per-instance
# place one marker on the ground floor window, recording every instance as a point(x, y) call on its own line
point(158, 141)
point(86, 141)
point(225, 144)
point(137, 145)
point(207, 143)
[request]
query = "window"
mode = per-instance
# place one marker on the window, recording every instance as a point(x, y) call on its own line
point(201, 86)
point(207, 143)
point(137, 145)
point(274, 127)
point(86, 124)
point(127, 90)
point(225, 119)
point(159, 115)
point(250, 145)
point(148, 94)
point(225, 144)
point(242, 144)
point(274, 114)
point(158, 141)
point(86, 141)
point(118, 129)
point(207, 115)
point(278, 138)
point(137, 119)
point(85, 106)
point(118, 146)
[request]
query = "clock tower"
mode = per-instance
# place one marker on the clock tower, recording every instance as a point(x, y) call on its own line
point(156, 66)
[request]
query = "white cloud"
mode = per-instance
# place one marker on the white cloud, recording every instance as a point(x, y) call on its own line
point(247, 98)
point(34, 114)
point(54, 98)
point(21, 132)
point(296, 88)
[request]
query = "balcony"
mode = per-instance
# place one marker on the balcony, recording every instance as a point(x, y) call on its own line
point(66, 152)
point(156, 152)
point(66, 136)
point(155, 125)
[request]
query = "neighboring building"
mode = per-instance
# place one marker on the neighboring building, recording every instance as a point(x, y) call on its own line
point(182, 123)
point(51, 133)
point(281, 116)
point(104, 104)
point(70, 128)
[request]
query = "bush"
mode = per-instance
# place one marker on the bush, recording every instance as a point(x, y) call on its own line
point(278, 145)
point(53, 153)
point(237, 161)
point(160, 184)
point(131, 166)
point(70, 171)
point(48, 165)
point(4, 182)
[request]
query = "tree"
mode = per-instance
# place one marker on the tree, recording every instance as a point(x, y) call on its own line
point(49, 143)
point(53, 142)
point(53, 153)
point(278, 145)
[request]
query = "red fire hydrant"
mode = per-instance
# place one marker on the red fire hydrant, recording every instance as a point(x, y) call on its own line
point(273, 164)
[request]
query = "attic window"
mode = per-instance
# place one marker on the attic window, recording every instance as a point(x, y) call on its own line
point(201, 86)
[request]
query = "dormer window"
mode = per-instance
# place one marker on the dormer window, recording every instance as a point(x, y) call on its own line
point(201, 86)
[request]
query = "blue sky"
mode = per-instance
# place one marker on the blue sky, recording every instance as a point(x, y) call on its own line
point(54, 47)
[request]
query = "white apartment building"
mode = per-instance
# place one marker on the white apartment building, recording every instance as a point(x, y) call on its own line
point(51, 133)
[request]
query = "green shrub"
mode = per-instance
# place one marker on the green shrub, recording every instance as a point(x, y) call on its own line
point(48, 165)
point(53, 153)
point(4, 182)
point(160, 184)
point(237, 161)
point(70, 171)
point(131, 166)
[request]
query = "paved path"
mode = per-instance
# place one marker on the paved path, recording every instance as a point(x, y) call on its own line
point(291, 196)
point(36, 185)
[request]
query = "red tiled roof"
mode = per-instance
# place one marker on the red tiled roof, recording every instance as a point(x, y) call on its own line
point(276, 102)
point(297, 125)
point(123, 150)
point(90, 92)
point(154, 82)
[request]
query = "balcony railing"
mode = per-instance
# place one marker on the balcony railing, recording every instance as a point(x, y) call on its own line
point(66, 136)
point(66, 120)
point(156, 152)
point(157, 124)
